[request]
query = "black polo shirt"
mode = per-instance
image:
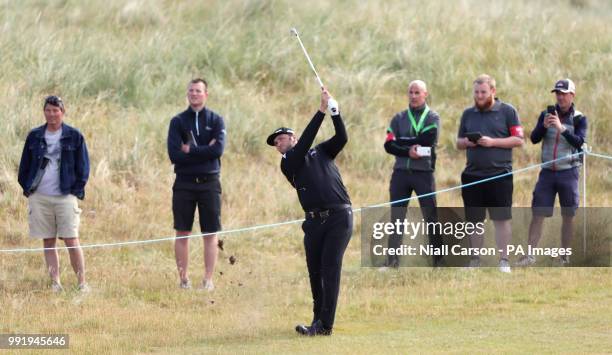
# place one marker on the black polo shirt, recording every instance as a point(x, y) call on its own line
point(312, 172)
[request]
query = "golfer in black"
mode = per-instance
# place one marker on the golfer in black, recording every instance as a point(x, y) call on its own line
point(329, 220)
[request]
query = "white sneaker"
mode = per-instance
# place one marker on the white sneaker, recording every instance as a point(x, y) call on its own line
point(504, 266)
point(84, 288)
point(208, 285)
point(526, 260)
point(56, 287)
point(185, 284)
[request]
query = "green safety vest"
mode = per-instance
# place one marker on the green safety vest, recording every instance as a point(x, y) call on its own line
point(418, 127)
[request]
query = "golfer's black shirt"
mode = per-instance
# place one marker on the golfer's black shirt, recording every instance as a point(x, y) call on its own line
point(312, 172)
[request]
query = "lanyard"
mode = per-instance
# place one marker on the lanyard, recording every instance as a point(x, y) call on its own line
point(197, 124)
point(418, 126)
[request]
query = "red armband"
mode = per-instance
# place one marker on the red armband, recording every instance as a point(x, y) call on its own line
point(516, 131)
point(390, 137)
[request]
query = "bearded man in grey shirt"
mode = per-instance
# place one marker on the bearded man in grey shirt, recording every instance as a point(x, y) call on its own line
point(488, 132)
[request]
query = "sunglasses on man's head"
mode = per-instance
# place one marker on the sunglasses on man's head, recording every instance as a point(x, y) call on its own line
point(53, 100)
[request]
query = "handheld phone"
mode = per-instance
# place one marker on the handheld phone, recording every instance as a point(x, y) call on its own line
point(550, 110)
point(423, 151)
point(473, 136)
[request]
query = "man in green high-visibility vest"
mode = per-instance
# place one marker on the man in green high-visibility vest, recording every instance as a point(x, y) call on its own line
point(412, 138)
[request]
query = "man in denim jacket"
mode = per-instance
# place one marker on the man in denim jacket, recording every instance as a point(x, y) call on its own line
point(53, 171)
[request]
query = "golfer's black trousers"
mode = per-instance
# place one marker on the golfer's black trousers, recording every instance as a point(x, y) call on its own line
point(325, 241)
point(403, 183)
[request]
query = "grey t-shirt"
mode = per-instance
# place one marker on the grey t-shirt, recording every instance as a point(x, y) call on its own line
point(50, 183)
point(501, 121)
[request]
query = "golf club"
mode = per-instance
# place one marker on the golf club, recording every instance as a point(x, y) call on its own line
point(295, 32)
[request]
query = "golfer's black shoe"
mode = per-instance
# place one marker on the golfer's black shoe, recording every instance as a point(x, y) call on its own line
point(316, 328)
point(302, 329)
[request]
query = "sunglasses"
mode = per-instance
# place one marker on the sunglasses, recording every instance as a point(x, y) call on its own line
point(53, 100)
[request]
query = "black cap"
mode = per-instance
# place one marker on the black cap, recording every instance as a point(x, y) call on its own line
point(276, 133)
point(565, 86)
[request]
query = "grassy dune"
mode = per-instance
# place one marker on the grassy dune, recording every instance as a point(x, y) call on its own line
point(121, 68)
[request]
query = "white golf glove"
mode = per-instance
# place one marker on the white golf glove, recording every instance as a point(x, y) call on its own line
point(332, 106)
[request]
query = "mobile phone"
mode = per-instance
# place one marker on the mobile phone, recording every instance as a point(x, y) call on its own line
point(551, 110)
point(473, 136)
point(423, 151)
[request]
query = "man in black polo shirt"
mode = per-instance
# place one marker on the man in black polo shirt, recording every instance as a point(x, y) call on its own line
point(410, 129)
point(196, 139)
point(495, 129)
point(329, 220)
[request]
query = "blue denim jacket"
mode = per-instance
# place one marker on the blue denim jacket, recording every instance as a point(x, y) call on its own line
point(74, 161)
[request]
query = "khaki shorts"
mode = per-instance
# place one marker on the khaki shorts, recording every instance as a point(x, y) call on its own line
point(53, 216)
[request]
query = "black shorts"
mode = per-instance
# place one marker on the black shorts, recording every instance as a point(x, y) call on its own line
point(206, 196)
point(494, 195)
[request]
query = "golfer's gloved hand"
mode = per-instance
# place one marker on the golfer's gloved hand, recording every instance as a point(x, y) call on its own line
point(332, 106)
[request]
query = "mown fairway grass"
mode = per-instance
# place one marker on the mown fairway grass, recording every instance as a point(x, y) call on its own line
point(122, 66)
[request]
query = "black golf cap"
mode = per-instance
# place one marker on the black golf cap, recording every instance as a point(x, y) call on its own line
point(276, 133)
